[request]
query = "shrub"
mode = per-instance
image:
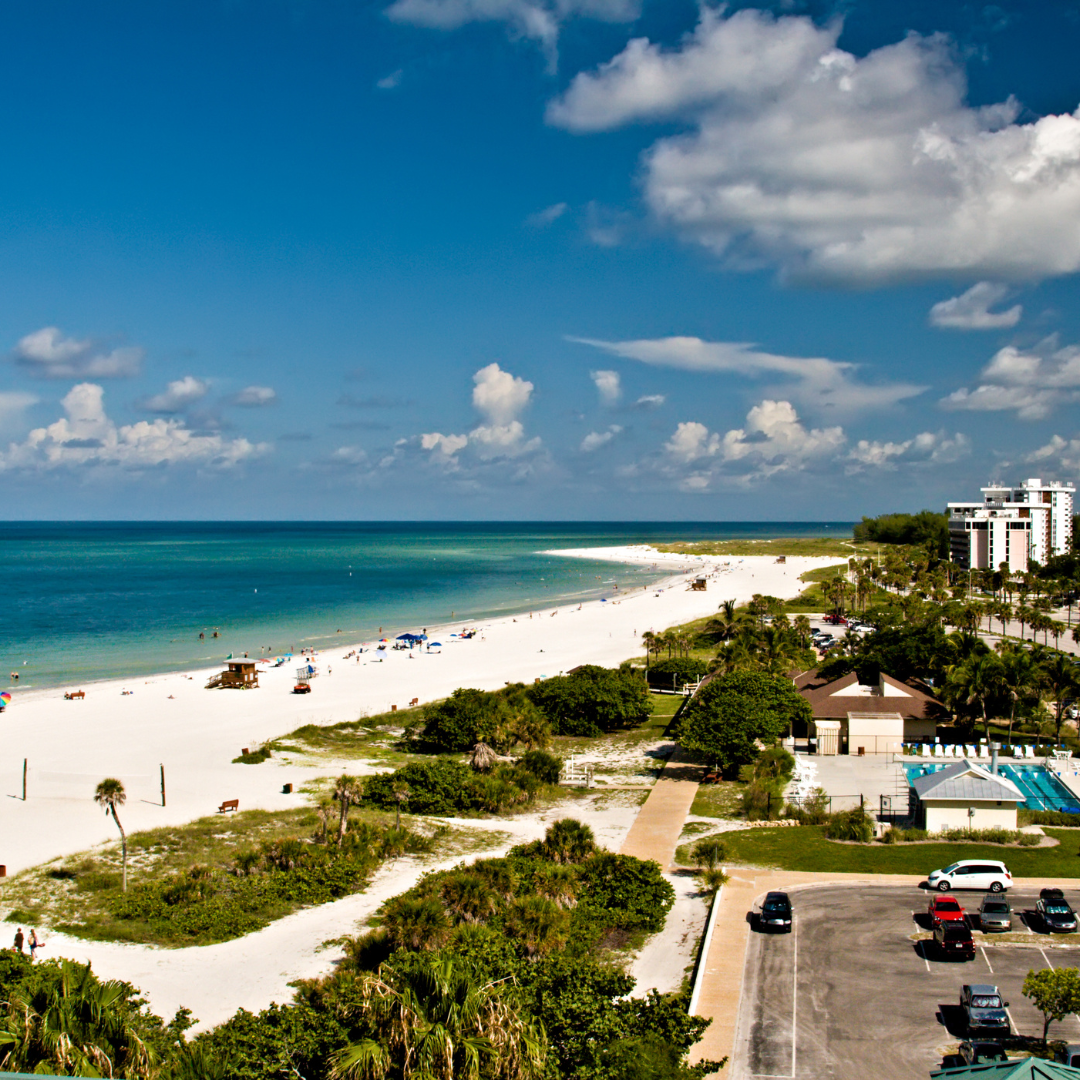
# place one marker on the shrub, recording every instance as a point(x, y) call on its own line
point(544, 766)
point(630, 893)
point(1049, 817)
point(676, 672)
point(853, 824)
point(710, 852)
point(591, 700)
point(813, 810)
point(255, 757)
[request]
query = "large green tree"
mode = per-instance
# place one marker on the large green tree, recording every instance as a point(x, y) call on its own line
point(733, 714)
point(592, 699)
point(1055, 992)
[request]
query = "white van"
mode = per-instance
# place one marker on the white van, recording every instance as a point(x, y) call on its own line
point(971, 874)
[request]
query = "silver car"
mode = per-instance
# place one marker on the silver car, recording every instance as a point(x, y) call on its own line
point(995, 914)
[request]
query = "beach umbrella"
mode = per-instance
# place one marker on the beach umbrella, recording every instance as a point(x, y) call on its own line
point(5, 698)
point(435, 645)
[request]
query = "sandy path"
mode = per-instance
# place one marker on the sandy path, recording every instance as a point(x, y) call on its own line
point(254, 971)
point(172, 720)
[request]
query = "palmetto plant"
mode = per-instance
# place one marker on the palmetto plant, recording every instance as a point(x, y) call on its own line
point(538, 923)
point(110, 794)
point(438, 1022)
point(77, 1026)
point(417, 924)
point(569, 841)
point(468, 897)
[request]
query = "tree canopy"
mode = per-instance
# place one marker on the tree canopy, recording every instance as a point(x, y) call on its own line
point(928, 527)
point(592, 700)
point(731, 714)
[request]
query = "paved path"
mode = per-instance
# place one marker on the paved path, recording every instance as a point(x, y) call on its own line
point(659, 824)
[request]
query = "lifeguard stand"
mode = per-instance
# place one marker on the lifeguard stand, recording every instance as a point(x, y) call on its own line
point(238, 675)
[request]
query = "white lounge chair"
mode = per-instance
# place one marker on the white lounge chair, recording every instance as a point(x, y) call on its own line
point(970, 750)
point(984, 751)
point(939, 750)
point(1029, 751)
point(1018, 751)
point(924, 750)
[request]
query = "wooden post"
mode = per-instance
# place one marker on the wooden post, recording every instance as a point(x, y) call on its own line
point(162, 785)
point(24, 779)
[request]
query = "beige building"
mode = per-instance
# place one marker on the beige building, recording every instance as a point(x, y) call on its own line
point(966, 796)
point(855, 718)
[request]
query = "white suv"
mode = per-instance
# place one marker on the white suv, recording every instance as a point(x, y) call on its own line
point(971, 874)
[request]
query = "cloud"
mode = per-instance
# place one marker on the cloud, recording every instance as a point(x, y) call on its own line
point(13, 402)
point(970, 311)
point(649, 401)
point(254, 397)
point(545, 217)
point(1064, 452)
point(926, 447)
point(391, 81)
point(534, 20)
point(772, 440)
point(608, 385)
point(500, 398)
point(814, 381)
point(595, 439)
point(86, 438)
point(47, 354)
point(837, 166)
point(178, 396)
point(1030, 383)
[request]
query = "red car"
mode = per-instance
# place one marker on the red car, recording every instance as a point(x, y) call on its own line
point(942, 909)
point(835, 620)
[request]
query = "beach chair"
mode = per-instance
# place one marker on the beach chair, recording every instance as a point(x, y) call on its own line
point(984, 751)
point(939, 750)
point(1018, 751)
point(970, 750)
point(924, 750)
point(1029, 751)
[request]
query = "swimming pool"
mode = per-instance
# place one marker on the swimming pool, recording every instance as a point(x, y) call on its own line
point(1042, 790)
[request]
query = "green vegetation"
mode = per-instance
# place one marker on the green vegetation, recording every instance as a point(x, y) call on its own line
point(675, 673)
point(254, 757)
point(592, 700)
point(839, 545)
point(928, 529)
point(1047, 817)
point(501, 719)
point(445, 787)
point(1055, 992)
point(732, 713)
point(766, 779)
point(807, 848)
point(975, 836)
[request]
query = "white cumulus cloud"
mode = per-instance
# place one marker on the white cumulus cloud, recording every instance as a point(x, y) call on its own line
point(838, 166)
point(85, 437)
point(608, 385)
point(178, 395)
point(13, 402)
point(971, 310)
point(1028, 382)
point(1064, 452)
point(546, 216)
point(595, 439)
point(47, 353)
point(926, 447)
point(813, 381)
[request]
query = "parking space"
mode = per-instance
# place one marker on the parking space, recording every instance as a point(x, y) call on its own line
point(851, 991)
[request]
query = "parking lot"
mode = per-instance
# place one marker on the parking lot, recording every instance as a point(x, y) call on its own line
point(848, 993)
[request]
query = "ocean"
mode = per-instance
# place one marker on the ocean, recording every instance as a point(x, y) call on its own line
point(83, 601)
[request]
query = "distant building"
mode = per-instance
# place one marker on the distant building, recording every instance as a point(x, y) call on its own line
point(1012, 525)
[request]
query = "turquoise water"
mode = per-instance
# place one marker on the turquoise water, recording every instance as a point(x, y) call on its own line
point(82, 601)
point(1042, 790)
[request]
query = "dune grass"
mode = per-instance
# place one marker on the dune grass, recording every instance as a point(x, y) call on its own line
point(843, 546)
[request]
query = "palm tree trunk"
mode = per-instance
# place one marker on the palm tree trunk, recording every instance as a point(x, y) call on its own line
point(341, 820)
point(123, 847)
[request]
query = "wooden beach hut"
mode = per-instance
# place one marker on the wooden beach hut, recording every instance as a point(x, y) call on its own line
point(238, 675)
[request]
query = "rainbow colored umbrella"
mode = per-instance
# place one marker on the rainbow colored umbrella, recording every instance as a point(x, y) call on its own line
point(5, 698)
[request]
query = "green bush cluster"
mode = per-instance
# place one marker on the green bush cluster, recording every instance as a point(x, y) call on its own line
point(207, 904)
point(1057, 818)
point(677, 671)
point(855, 824)
point(254, 757)
point(444, 787)
point(591, 700)
point(896, 835)
point(766, 779)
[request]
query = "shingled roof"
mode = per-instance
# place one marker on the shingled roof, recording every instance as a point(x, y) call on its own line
point(967, 782)
point(834, 700)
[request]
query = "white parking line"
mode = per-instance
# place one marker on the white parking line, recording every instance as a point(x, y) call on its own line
point(794, 990)
point(1046, 958)
point(986, 958)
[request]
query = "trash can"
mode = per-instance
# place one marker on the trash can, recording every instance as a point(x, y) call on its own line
point(286, 789)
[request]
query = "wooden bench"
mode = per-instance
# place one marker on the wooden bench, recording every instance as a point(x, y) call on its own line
point(80, 694)
point(229, 804)
point(415, 701)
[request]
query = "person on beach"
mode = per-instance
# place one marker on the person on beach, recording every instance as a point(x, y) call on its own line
point(19, 940)
point(34, 943)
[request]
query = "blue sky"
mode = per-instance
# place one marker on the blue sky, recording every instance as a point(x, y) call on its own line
point(535, 258)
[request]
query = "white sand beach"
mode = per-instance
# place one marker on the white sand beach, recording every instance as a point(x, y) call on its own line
point(173, 721)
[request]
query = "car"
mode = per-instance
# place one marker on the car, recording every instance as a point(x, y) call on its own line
point(983, 1009)
point(775, 912)
point(953, 939)
point(971, 874)
point(1055, 912)
point(302, 688)
point(981, 1053)
point(1068, 1055)
point(994, 914)
point(945, 909)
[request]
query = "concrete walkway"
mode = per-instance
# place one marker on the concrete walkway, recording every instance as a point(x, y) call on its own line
point(659, 824)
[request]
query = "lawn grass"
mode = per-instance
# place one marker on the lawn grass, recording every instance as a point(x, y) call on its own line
point(843, 546)
point(76, 894)
point(806, 848)
point(719, 800)
point(373, 738)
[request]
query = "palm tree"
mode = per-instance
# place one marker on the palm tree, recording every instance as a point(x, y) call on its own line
point(538, 923)
point(110, 794)
point(73, 1026)
point(418, 924)
point(348, 791)
point(401, 796)
point(1059, 676)
point(468, 897)
point(436, 1021)
point(1004, 613)
point(568, 841)
point(976, 682)
point(1022, 678)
